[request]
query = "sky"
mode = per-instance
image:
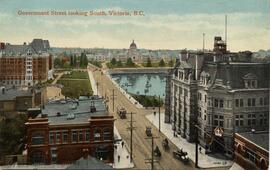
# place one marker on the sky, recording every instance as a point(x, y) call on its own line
point(166, 24)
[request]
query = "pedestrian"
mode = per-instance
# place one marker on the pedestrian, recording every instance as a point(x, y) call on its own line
point(200, 149)
point(118, 158)
point(154, 113)
point(122, 144)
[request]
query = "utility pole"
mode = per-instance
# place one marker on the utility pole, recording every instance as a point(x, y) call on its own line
point(113, 97)
point(159, 113)
point(131, 128)
point(203, 41)
point(152, 160)
point(196, 146)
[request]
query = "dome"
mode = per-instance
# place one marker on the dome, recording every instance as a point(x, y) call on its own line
point(133, 45)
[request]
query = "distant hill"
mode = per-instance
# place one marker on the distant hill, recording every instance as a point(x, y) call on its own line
point(261, 56)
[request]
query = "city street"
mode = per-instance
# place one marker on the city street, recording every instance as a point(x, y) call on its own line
point(141, 145)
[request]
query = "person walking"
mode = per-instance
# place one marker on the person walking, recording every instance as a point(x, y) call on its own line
point(122, 144)
point(118, 158)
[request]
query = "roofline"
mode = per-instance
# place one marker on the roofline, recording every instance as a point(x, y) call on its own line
point(253, 142)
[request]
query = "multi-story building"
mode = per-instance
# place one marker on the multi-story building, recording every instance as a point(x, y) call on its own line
point(66, 130)
point(252, 150)
point(13, 100)
point(220, 91)
point(25, 65)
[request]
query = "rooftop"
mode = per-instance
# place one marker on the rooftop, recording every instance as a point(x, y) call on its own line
point(73, 111)
point(259, 138)
point(12, 93)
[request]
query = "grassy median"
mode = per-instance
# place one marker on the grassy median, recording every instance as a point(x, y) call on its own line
point(76, 84)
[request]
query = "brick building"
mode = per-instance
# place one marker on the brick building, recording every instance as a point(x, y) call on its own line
point(69, 130)
point(13, 100)
point(219, 91)
point(24, 65)
point(252, 150)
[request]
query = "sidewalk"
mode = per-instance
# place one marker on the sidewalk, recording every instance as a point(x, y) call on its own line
point(205, 161)
point(124, 162)
point(93, 82)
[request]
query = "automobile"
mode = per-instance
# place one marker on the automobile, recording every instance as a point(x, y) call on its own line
point(122, 113)
point(181, 155)
point(148, 131)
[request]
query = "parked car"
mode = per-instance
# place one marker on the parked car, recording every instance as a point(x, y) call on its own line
point(122, 113)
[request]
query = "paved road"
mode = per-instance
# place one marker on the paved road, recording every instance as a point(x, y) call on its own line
point(141, 146)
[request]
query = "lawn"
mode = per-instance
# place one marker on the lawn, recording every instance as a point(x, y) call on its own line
point(76, 84)
point(76, 75)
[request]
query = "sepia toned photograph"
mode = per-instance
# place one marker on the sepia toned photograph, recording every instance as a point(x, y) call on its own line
point(134, 84)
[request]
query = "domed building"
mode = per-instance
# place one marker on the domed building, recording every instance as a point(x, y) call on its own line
point(133, 52)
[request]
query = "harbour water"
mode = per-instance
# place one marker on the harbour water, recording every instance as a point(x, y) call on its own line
point(142, 84)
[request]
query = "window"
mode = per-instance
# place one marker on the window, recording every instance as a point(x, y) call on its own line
point(58, 137)
point(37, 139)
point(261, 101)
point(106, 134)
point(241, 102)
point(221, 103)
point(251, 119)
point(266, 102)
point(51, 137)
point(74, 136)
point(253, 102)
point(239, 120)
point(249, 101)
point(205, 98)
point(53, 155)
point(87, 135)
point(236, 102)
point(65, 137)
point(216, 103)
point(80, 136)
point(97, 134)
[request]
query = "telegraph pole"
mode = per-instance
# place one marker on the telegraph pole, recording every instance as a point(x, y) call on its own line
point(159, 113)
point(113, 97)
point(131, 128)
point(152, 160)
point(196, 146)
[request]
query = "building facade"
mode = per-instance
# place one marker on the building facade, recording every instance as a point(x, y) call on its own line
point(221, 92)
point(252, 150)
point(25, 65)
point(69, 130)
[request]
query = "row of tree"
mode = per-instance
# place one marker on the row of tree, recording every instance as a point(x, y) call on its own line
point(115, 63)
point(71, 61)
point(160, 64)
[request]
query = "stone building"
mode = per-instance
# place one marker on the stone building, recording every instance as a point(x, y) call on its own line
point(25, 65)
point(67, 130)
point(220, 91)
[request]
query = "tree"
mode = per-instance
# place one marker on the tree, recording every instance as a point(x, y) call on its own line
point(113, 61)
point(71, 61)
point(148, 64)
point(161, 63)
point(57, 62)
point(171, 63)
point(130, 63)
point(12, 133)
point(119, 63)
